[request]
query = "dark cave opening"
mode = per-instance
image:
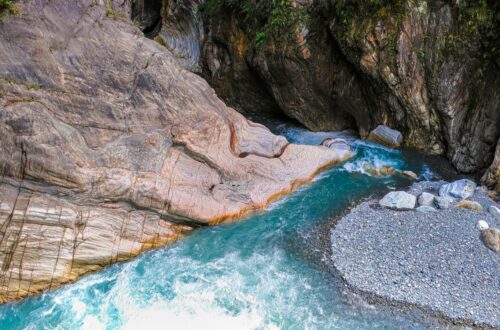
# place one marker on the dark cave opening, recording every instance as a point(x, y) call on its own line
point(147, 15)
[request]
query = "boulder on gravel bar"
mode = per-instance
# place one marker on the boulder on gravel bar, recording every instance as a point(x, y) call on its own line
point(461, 189)
point(426, 199)
point(443, 203)
point(399, 200)
point(471, 205)
point(491, 238)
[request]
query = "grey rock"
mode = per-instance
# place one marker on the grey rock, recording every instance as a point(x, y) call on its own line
point(399, 200)
point(460, 189)
point(426, 199)
point(425, 209)
point(443, 203)
point(386, 136)
point(491, 238)
point(494, 210)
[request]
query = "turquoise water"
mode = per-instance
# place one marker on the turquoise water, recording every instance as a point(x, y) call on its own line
point(249, 274)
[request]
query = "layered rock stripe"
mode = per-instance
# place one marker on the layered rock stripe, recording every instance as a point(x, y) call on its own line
point(108, 147)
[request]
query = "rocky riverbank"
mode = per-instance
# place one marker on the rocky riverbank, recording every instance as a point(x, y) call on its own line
point(434, 259)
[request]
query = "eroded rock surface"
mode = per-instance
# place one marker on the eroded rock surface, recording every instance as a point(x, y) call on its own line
point(109, 147)
point(429, 69)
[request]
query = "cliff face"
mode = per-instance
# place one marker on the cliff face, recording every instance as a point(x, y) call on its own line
point(108, 147)
point(430, 69)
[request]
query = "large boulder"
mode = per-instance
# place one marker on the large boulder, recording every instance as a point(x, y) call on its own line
point(460, 189)
point(398, 200)
point(386, 136)
point(108, 147)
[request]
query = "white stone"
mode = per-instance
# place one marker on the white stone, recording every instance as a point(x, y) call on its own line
point(482, 225)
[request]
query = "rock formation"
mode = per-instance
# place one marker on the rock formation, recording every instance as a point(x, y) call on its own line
point(108, 147)
point(429, 69)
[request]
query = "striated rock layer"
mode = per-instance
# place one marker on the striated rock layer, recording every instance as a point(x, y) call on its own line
point(430, 69)
point(108, 147)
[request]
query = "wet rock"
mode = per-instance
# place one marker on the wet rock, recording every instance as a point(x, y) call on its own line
point(443, 203)
point(398, 200)
point(426, 199)
point(494, 210)
point(471, 205)
point(410, 174)
point(336, 143)
point(425, 209)
point(491, 238)
point(460, 189)
point(378, 171)
point(386, 136)
point(482, 225)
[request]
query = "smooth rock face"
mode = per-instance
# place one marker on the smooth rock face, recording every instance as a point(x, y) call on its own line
point(386, 136)
point(398, 200)
point(460, 189)
point(426, 199)
point(443, 203)
point(336, 143)
point(108, 147)
point(491, 238)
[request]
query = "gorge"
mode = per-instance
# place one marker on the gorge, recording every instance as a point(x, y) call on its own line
point(132, 125)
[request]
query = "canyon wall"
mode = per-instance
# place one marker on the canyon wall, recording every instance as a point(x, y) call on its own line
point(430, 69)
point(108, 147)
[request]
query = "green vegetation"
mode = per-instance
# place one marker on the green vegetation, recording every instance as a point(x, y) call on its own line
point(266, 19)
point(7, 6)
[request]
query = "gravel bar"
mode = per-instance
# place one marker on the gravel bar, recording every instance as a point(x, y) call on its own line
point(432, 260)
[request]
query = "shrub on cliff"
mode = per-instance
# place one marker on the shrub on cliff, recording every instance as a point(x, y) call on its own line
point(7, 6)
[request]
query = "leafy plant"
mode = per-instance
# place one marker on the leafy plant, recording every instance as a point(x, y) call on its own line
point(265, 18)
point(7, 6)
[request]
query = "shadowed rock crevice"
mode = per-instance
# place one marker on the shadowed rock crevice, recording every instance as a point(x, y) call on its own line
point(146, 14)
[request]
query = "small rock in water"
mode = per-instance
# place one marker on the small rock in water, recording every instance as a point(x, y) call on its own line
point(491, 238)
point(494, 210)
point(471, 205)
point(460, 189)
point(386, 136)
point(443, 203)
point(336, 143)
point(378, 171)
point(482, 225)
point(399, 200)
point(426, 199)
point(410, 174)
point(425, 209)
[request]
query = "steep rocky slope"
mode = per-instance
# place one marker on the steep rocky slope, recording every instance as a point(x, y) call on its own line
point(109, 148)
point(430, 69)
